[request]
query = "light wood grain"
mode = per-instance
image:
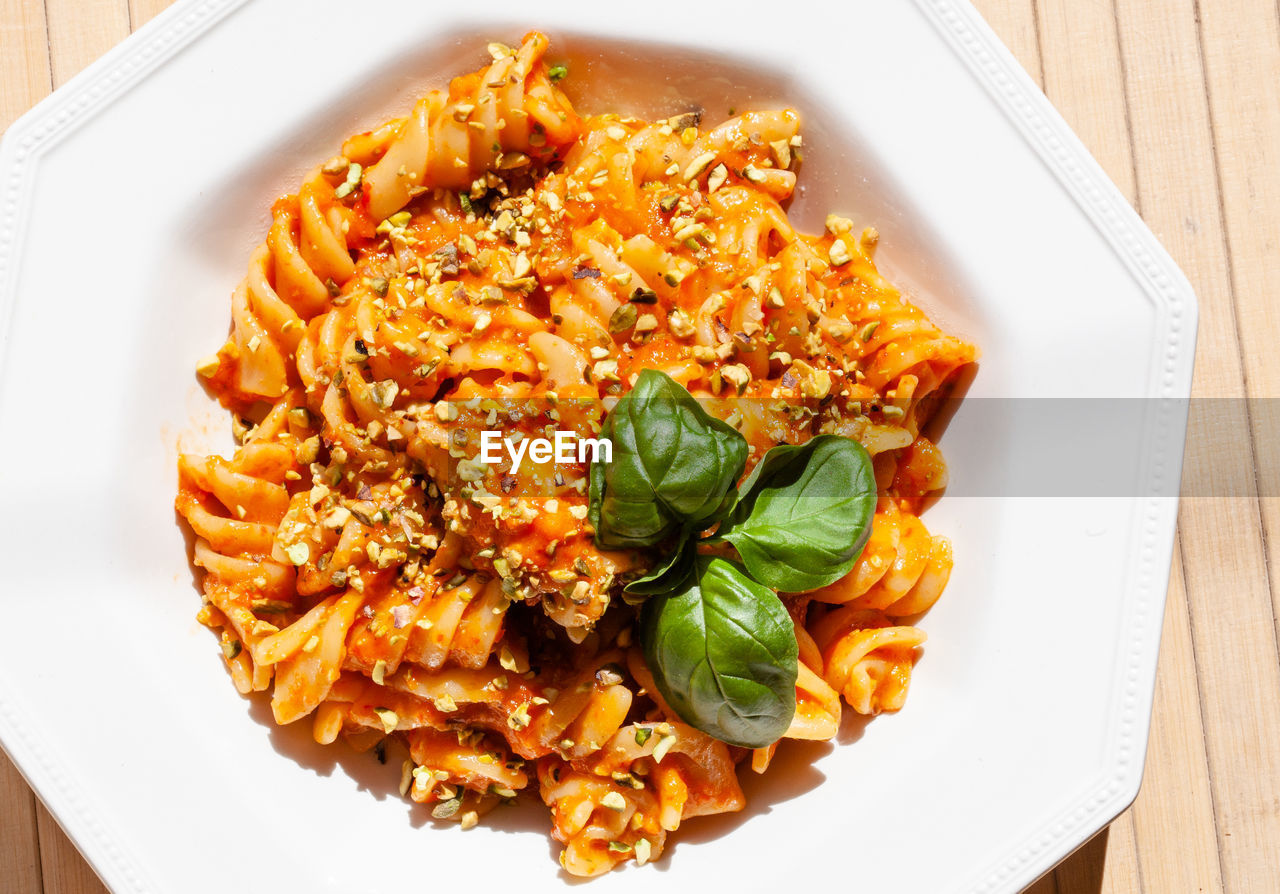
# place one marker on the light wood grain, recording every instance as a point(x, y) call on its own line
point(63, 869)
point(24, 63)
point(19, 842)
point(1233, 634)
point(1240, 43)
point(1179, 100)
point(80, 32)
point(143, 11)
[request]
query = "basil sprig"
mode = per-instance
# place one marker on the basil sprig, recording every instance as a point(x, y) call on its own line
point(718, 641)
point(723, 654)
point(669, 574)
point(674, 467)
point(804, 514)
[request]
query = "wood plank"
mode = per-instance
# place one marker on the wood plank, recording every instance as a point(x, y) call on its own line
point(81, 32)
point(1048, 884)
point(24, 58)
point(1118, 864)
point(1241, 45)
point(1084, 79)
point(1226, 577)
point(1014, 22)
point(65, 871)
point(1174, 813)
point(19, 845)
point(1082, 872)
point(143, 11)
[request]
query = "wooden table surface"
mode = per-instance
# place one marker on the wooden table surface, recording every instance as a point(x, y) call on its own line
point(1180, 102)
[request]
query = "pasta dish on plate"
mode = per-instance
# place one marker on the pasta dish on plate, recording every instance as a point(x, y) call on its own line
point(727, 554)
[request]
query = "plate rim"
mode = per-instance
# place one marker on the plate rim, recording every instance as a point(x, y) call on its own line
point(1045, 132)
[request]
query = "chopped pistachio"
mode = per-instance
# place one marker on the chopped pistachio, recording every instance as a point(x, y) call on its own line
point(698, 165)
point(446, 809)
point(354, 172)
point(614, 801)
point(208, 366)
point(298, 553)
point(664, 745)
point(840, 330)
point(839, 253)
point(719, 174)
point(388, 718)
point(623, 318)
point(519, 718)
point(644, 850)
point(679, 323)
point(836, 224)
point(603, 371)
point(737, 375)
point(781, 153)
point(471, 470)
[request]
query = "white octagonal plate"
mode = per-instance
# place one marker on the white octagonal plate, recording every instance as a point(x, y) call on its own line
point(129, 203)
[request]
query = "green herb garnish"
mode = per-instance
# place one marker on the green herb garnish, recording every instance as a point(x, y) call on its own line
point(674, 467)
point(717, 638)
point(804, 514)
point(723, 654)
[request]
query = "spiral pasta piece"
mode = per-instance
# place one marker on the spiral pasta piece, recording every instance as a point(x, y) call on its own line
point(621, 802)
point(902, 571)
point(500, 118)
point(866, 658)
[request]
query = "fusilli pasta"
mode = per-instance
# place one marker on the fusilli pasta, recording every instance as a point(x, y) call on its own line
point(494, 260)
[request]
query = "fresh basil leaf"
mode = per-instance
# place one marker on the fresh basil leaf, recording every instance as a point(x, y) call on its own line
point(673, 466)
point(722, 651)
point(668, 575)
point(805, 513)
